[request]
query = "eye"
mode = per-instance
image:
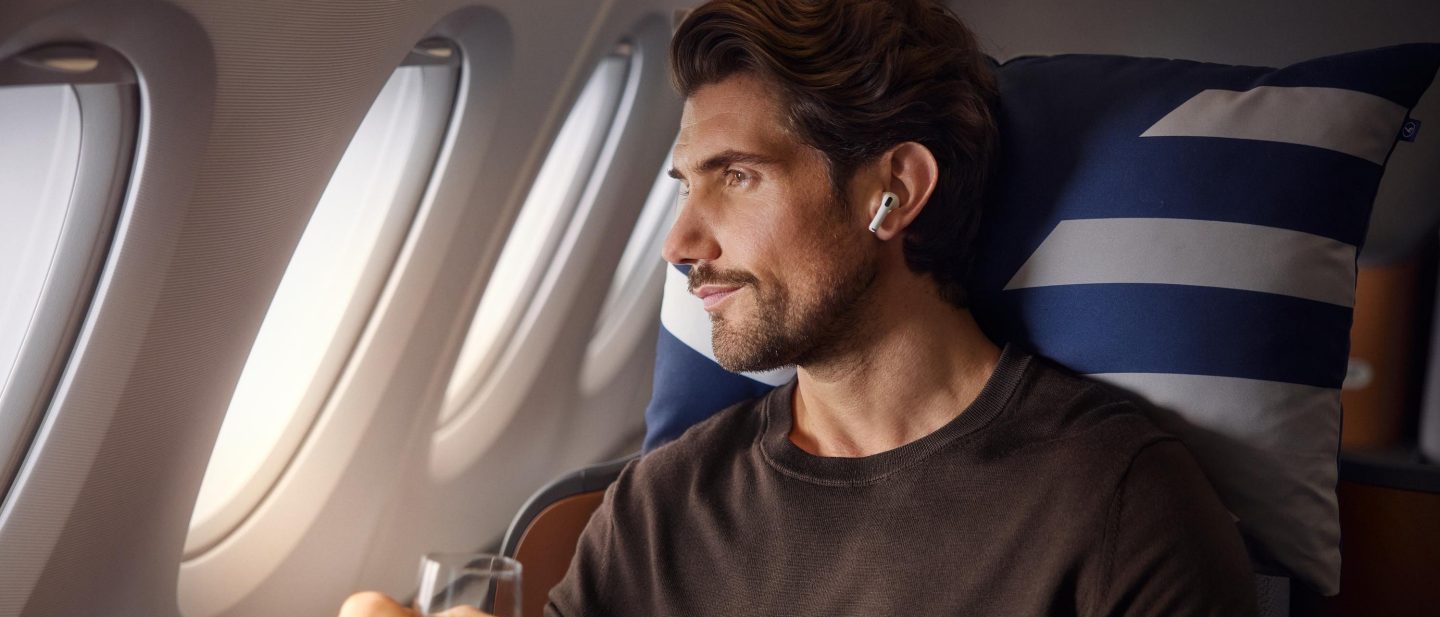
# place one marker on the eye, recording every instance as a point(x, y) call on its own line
point(735, 177)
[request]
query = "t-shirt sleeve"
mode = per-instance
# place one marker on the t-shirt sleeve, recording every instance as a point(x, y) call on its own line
point(580, 593)
point(1171, 548)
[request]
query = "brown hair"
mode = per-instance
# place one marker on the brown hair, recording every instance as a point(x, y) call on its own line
point(858, 77)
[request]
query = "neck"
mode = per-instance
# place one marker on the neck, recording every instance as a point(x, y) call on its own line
point(915, 364)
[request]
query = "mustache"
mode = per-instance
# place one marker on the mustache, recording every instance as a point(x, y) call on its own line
point(705, 274)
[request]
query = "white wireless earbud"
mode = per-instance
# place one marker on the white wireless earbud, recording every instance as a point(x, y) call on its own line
point(887, 203)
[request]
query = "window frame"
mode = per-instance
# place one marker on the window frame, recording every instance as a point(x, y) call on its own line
point(108, 97)
point(632, 302)
point(475, 394)
point(564, 319)
point(442, 72)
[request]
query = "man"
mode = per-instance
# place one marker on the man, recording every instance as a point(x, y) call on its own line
point(912, 467)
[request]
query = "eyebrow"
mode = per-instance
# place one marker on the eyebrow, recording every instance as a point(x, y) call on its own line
point(725, 159)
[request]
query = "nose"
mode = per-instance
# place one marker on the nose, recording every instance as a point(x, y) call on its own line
point(691, 238)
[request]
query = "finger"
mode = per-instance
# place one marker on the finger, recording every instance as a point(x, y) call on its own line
point(373, 604)
point(463, 611)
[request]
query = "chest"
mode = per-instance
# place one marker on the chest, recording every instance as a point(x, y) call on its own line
point(923, 545)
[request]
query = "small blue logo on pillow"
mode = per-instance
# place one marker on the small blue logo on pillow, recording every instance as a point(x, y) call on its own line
point(1410, 130)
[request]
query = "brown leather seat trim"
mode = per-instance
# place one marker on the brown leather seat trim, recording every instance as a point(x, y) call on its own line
point(548, 544)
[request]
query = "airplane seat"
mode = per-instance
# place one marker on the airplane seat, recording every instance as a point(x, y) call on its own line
point(1187, 232)
point(543, 535)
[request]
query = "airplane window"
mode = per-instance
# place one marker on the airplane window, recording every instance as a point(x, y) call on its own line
point(328, 291)
point(67, 127)
point(631, 306)
point(38, 159)
point(537, 231)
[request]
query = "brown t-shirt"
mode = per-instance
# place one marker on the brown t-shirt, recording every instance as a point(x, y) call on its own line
point(1049, 495)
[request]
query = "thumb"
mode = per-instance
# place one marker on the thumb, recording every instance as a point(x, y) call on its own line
point(462, 611)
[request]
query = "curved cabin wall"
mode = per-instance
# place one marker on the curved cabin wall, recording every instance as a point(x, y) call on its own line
point(246, 109)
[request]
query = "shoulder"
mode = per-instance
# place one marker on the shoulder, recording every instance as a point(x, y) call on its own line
point(1068, 397)
point(716, 446)
point(1170, 547)
point(1065, 413)
point(728, 432)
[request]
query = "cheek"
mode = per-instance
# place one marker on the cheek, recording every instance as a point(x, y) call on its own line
point(787, 239)
point(757, 235)
point(806, 264)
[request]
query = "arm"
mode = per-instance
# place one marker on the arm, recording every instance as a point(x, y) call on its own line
point(1170, 547)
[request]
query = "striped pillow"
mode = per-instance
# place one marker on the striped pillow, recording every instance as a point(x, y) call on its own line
point(1188, 232)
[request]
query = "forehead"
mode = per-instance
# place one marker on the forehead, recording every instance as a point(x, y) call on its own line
point(738, 113)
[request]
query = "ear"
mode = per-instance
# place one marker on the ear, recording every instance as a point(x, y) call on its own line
point(910, 173)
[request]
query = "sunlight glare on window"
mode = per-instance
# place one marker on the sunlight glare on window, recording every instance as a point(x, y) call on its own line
point(325, 296)
point(556, 190)
point(634, 294)
point(39, 156)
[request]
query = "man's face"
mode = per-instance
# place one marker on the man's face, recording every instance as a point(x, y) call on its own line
point(781, 262)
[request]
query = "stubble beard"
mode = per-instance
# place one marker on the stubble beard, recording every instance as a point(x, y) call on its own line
point(784, 330)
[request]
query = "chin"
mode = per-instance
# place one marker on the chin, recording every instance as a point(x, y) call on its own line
point(747, 350)
point(730, 347)
point(746, 364)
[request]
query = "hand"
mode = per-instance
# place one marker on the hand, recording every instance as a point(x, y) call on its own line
point(376, 604)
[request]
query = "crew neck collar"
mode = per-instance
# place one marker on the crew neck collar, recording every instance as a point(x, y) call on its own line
point(790, 459)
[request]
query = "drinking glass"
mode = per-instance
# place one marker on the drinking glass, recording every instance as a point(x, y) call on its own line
point(490, 583)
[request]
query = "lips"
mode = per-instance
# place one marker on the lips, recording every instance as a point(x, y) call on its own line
point(713, 295)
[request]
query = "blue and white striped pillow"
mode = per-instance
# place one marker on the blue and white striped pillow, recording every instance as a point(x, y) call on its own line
point(1186, 231)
